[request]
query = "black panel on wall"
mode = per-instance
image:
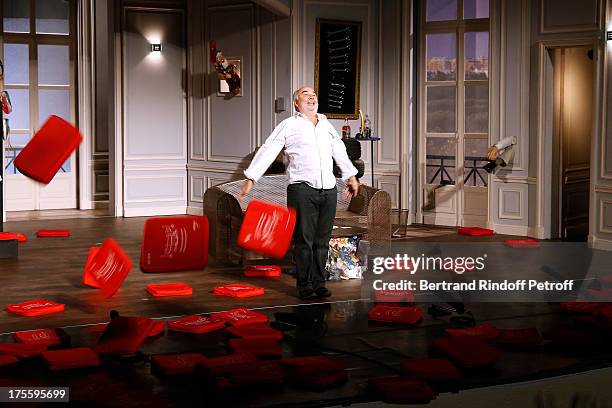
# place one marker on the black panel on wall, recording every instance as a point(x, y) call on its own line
point(337, 66)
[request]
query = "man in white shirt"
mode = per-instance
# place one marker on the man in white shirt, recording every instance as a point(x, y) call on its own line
point(310, 142)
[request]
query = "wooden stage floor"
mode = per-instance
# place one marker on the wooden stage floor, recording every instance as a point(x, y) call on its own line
point(52, 268)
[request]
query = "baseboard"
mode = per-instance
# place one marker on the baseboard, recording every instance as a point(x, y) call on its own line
point(598, 243)
point(149, 212)
point(195, 210)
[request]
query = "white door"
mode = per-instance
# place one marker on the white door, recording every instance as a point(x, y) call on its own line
point(155, 113)
point(39, 77)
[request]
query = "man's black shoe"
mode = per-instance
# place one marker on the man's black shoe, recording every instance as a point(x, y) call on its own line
point(306, 294)
point(323, 292)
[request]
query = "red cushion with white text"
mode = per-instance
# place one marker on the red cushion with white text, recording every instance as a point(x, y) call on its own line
point(109, 267)
point(392, 314)
point(174, 244)
point(46, 337)
point(262, 271)
point(36, 307)
point(238, 290)
point(241, 317)
point(47, 151)
point(267, 228)
point(196, 324)
point(169, 289)
point(475, 231)
point(53, 233)
point(71, 358)
point(87, 278)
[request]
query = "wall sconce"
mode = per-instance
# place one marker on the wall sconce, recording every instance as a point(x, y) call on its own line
point(608, 35)
point(156, 47)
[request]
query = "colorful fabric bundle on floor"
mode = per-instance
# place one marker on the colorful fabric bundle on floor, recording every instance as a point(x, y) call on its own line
point(342, 259)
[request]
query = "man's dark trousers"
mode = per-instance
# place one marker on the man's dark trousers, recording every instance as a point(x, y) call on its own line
point(316, 210)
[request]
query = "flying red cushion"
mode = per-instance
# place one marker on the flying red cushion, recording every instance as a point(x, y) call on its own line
point(267, 228)
point(392, 314)
point(109, 267)
point(196, 324)
point(174, 244)
point(169, 289)
point(53, 233)
point(36, 307)
point(238, 290)
point(50, 147)
point(475, 231)
point(262, 271)
point(87, 277)
point(241, 317)
point(71, 358)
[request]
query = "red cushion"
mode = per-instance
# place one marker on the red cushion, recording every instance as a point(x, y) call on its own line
point(311, 364)
point(242, 317)
point(238, 290)
point(226, 364)
point(169, 289)
point(320, 382)
point(483, 332)
point(174, 244)
point(475, 231)
point(394, 296)
point(263, 271)
point(50, 147)
point(71, 358)
point(397, 390)
point(430, 369)
point(124, 335)
point(22, 350)
point(522, 243)
point(36, 307)
point(6, 359)
point(528, 337)
point(109, 267)
point(87, 277)
point(467, 352)
point(258, 347)
point(267, 228)
point(196, 324)
point(255, 331)
point(392, 314)
point(157, 328)
point(173, 364)
point(53, 233)
point(46, 337)
point(9, 236)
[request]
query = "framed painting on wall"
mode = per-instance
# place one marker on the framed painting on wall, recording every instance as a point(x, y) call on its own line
point(337, 67)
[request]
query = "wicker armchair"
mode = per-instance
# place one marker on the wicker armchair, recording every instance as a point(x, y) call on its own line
point(370, 209)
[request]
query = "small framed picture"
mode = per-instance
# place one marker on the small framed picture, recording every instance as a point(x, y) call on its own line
point(224, 86)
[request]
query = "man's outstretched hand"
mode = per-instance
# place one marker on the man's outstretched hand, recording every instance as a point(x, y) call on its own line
point(352, 187)
point(246, 187)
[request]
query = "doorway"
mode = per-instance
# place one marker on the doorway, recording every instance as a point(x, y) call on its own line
point(573, 73)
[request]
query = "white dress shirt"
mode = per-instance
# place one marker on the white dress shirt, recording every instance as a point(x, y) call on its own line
point(505, 142)
point(310, 150)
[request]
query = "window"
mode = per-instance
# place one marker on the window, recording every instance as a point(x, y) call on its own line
point(38, 48)
point(455, 91)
